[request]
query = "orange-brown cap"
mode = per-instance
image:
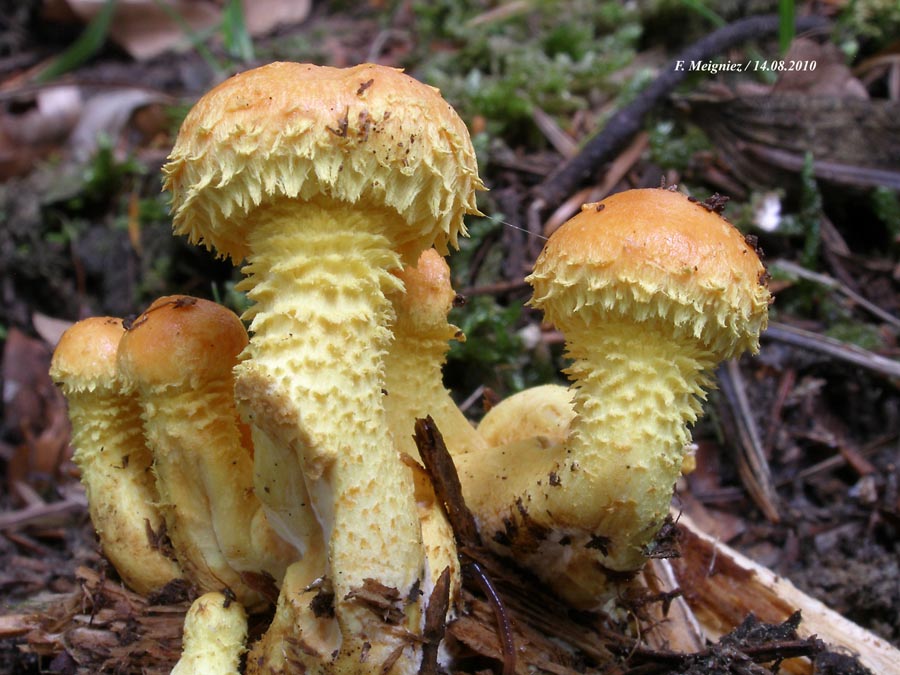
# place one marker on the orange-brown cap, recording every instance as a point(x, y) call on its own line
point(423, 306)
point(180, 339)
point(657, 256)
point(367, 135)
point(85, 357)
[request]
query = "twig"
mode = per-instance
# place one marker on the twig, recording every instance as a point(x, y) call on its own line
point(830, 282)
point(40, 513)
point(835, 172)
point(627, 122)
point(448, 490)
point(445, 480)
point(752, 463)
point(804, 339)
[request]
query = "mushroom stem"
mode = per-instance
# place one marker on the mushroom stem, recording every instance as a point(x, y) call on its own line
point(208, 523)
point(636, 390)
point(112, 455)
point(178, 358)
point(416, 357)
point(651, 291)
point(312, 379)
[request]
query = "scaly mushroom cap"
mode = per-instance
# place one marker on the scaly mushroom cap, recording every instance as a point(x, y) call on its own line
point(85, 357)
point(192, 340)
point(656, 255)
point(368, 135)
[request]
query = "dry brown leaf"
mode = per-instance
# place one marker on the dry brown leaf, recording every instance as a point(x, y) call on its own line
point(145, 29)
point(36, 127)
point(49, 328)
point(108, 114)
point(34, 408)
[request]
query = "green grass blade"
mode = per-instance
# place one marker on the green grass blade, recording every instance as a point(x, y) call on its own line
point(787, 16)
point(88, 43)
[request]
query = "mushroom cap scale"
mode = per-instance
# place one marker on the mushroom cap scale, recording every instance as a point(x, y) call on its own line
point(368, 135)
point(658, 256)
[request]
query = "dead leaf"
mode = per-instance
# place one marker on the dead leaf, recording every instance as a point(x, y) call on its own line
point(108, 114)
point(36, 125)
point(820, 71)
point(34, 409)
point(49, 328)
point(144, 28)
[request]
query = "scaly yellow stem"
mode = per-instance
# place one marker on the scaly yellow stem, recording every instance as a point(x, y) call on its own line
point(636, 392)
point(312, 379)
point(594, 501)
point(415, 360)
point(121, 489)
point(416, 389)
point(207, 513)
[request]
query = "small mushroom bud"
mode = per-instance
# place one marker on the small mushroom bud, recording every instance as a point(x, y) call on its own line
point(111, 454)
point(215, 633)
point(651, 290)
point(177, 358)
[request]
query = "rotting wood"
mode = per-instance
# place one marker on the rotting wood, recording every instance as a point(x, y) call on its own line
point(722, 586)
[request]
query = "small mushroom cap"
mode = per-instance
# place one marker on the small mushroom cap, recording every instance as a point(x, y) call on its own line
point(423, 307)
point(368, 135)
point(656, 256)
point(85, 357)
point(215, 633)
point(180, 339)
point(545, 410)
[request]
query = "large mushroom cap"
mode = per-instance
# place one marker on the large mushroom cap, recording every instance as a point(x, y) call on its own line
point(368, 135)
point(655, 255)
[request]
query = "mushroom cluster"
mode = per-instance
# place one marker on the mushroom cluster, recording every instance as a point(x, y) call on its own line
point(284, 462)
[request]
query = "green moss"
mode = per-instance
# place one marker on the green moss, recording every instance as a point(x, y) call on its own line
point(552, 55)
point(856, 333)
point(674, 146)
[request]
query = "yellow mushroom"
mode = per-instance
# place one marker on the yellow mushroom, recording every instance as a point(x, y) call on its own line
point(327, 180)
point(417, 354)
point(651, 291)
point(544, 410)
point(177, 358)
point(215, 634)
point(111, 454)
